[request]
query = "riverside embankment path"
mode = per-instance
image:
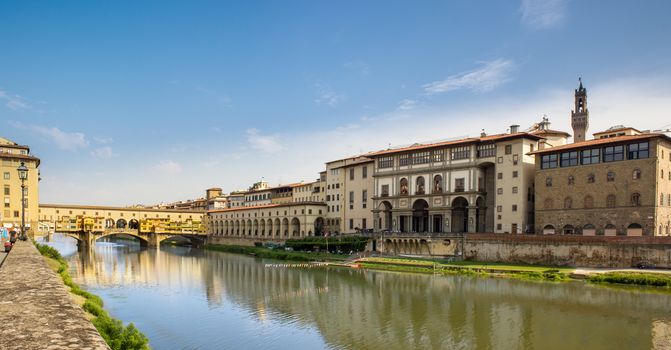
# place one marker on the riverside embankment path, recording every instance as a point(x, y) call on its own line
point(36, 309)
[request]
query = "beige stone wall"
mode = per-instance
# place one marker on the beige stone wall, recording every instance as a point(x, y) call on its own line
point(335, 197)
point(357, 211)
point(663, 212)
point(514, 210)
point(570, 250)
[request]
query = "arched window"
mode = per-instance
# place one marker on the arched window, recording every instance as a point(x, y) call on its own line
point(610, 201)
point(610, 177)
point(419, 185)
point(636, 200)
point(571, 180)
point(548, 203)
point(589, 201)
point(661, 199)
point(661, 174)
point(568, 203)
point(590, 178)
point(404, 187)
point(636, 175)
point(668, 200)
point(437, 184)
point(548, 181)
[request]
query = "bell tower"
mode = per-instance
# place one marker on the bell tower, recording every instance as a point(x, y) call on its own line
point(580, 115)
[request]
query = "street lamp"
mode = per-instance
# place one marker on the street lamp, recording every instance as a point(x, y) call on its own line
point(23, 175)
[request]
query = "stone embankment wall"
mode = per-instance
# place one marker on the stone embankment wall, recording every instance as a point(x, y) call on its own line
point(596, 251)
point(36, 309)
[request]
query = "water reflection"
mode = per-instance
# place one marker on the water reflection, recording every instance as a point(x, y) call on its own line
point(190, 298)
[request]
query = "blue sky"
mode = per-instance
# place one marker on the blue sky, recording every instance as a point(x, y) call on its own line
point(141, 102)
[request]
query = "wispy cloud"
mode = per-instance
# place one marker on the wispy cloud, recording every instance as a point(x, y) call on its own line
point(326, 96)
point(103, 153)
point(69, 141)
point(13, 101)
point(168, 166)
point(543, 14)
point(406, 105)
point(264, 143)
point(486, 78)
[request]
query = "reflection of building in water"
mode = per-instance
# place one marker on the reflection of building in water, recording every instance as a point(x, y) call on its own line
point(373, 310)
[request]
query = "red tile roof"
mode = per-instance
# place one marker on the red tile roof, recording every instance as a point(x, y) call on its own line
point(266, 206)
point(418, 146)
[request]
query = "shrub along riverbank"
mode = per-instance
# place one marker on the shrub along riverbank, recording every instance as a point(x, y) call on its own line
point(112, 330)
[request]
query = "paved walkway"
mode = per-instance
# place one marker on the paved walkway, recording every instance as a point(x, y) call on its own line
point(36, 310)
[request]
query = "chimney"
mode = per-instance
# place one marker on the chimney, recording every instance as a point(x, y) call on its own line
point(514, 129)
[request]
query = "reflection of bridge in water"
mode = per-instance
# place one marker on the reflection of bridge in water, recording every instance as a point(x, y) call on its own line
point(374, 310)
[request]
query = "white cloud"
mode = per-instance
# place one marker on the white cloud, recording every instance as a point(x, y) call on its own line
point(640, 102)
point(69, 141)
point(13, 101)
point(168, 166)
point(543, 14)
point(326, 96)
point(489, 76)
point(103, 140)
point(263, 143)
point(103, 153)
point(406, 105)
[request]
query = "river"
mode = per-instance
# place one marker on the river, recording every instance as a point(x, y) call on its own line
point(184, 298)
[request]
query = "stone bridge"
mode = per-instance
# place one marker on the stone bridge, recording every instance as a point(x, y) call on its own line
point(147, 239)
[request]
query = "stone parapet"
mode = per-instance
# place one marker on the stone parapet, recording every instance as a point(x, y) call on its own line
point(36, 309)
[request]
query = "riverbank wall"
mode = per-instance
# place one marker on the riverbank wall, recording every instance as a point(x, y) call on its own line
point(36, 309)
point(592, 251)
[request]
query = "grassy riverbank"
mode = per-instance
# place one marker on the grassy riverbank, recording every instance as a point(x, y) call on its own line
point(278, 254)
point(112, 330)
point(525, 272)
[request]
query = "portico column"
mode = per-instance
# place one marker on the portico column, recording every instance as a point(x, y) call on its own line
point(376, 221)
point(447, 220)
point(472, 219)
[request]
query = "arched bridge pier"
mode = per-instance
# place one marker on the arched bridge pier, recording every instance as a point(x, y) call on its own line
point(147, 239)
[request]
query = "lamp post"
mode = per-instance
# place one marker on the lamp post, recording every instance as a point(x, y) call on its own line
point(23, 175)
